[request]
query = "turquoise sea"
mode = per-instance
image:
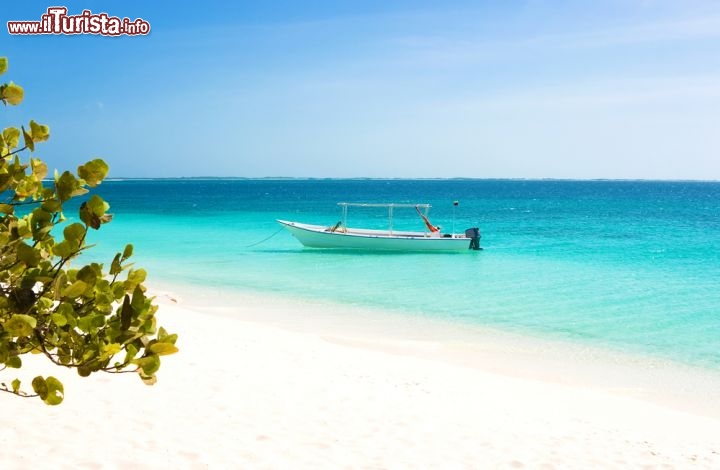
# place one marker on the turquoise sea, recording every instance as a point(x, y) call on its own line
point(631, 266)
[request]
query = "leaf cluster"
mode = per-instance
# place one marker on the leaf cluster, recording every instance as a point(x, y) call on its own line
point(86, 318)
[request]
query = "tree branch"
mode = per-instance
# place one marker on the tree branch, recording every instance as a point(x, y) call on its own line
point(10, 154)
point(27, 203)
point(19, 393)
point(53, 358)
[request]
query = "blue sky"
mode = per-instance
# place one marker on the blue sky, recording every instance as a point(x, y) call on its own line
point(496, 89)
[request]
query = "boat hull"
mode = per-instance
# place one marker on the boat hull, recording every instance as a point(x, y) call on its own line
point(317, 236)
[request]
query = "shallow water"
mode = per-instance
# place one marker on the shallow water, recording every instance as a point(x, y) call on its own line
point(627, 265)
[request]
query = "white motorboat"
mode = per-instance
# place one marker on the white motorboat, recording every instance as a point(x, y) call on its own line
point(344, 237)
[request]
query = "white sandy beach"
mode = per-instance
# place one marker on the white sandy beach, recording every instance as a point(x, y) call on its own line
point(254, 386)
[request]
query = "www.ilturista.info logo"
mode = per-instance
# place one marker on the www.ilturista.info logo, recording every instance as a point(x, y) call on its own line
point(57, 21)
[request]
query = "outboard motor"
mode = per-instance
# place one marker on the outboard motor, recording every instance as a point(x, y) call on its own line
point(474, 235)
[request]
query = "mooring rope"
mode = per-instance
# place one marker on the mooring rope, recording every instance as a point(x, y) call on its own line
point(264, 239)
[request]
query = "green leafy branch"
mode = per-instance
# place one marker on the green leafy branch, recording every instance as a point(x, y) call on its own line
point(85, 318)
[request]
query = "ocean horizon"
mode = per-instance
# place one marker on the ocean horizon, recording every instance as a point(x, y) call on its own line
point(388, 178)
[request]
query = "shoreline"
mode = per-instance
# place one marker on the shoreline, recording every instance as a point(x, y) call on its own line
point(657, 380)
point(264, 382)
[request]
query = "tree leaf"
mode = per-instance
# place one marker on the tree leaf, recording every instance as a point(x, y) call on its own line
point(170, 339)
point(74, 232)
point(90, 324)
point(28, 255)
point(138, 299)
point(126, 314)
point(13, 94)
point(51, 205)
point(87, 275)
point(58, 318)
point(149, 379)
point(93, 172)
point(130, 353)
point(20, 325)
point(148, 364)
point(65, 186)
point(14, 361)
point(11, 136)
point(74, 290)
point(163, 349)
point(135, 277)
point(64, 249)
point(87, 216)
point(55, 391)
point(98, 205)
point(5, 181)
point(115, 266)
point(39, 132)
point(39, 168)
point(28, 140)
point(112, 349)
point(40, 387)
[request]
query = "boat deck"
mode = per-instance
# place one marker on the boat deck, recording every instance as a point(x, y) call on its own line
point(374, 233)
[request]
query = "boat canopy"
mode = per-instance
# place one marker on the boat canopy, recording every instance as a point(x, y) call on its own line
point(389, 206)
point(392, 204)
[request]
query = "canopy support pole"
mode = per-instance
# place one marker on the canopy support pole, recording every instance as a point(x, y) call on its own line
point(390, 217)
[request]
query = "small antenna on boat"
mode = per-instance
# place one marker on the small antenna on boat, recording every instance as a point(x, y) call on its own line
point(455, 204)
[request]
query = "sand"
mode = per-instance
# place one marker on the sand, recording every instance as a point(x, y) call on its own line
point(257, 386)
